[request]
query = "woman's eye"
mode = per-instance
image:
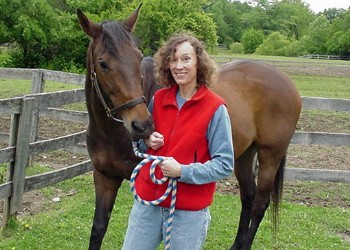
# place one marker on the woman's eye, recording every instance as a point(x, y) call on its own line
point(103, 65)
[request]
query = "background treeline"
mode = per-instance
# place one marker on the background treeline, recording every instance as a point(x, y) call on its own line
point(46, 34)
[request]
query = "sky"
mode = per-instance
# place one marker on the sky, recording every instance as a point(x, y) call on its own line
point(321, 5)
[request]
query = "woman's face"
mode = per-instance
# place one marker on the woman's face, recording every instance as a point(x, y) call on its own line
point(183, 65)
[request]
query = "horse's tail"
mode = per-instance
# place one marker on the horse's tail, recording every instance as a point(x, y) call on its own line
point(276, 194)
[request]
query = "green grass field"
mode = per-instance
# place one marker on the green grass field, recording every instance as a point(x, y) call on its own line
point(66, 224)
point(323, 86)
point(10, 88)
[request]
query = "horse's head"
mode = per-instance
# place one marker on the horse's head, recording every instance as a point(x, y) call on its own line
point(114, 75)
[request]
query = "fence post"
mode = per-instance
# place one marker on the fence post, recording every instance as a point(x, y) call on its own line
point(22, 153)
point(10, 167)
point(38, 85)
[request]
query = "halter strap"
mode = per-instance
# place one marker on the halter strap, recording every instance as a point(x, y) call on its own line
point(111, 111)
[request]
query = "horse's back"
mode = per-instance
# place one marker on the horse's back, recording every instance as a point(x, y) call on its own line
point(149, 84)
point(262, 101)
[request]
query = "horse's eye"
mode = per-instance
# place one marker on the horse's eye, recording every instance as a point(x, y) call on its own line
point(103, 65)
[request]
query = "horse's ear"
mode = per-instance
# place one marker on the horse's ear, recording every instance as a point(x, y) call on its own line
point(90, 28)
point(131, 20)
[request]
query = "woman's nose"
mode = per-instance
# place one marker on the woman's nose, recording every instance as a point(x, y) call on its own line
point(179, 64)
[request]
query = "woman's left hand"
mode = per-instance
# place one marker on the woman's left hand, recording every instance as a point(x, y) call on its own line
point(170, 167)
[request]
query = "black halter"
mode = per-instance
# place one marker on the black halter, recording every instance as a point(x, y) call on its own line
point(114, 110)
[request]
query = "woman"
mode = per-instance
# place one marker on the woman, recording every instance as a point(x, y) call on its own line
point(193, 132)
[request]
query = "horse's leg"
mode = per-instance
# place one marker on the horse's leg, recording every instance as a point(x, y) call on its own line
point(271, 162)
point(245, 177)
point(106, 189)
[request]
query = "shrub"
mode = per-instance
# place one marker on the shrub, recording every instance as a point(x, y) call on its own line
point(275, 44)
point(251, 39)
point(236, 48)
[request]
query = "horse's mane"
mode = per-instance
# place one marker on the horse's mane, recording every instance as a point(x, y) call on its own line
point(115, 35)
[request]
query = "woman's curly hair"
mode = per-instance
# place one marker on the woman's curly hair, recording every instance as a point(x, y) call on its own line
point(206, 68)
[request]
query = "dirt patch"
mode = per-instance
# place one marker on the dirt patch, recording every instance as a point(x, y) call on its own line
point(319, 157)
point(345, 235)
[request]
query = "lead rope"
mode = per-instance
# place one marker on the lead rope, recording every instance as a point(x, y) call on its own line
point(172, 188)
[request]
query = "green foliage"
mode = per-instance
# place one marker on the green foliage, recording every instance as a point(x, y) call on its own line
point(251, 39)
point(315, 40)
point(290, 18)
point(333, 13)
point(46, 33)
point(5, 57)
point(293, 19)
point(275, 44)
point(339, 42)
point(296, 48)
point(160, 19)
point(35, 29)
point(3, 172)
point(237, 48)
point(226, 16)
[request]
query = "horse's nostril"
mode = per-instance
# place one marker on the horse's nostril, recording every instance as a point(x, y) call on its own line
point(142, 127)
point(138, 127)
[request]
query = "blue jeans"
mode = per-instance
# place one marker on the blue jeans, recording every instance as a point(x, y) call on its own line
point(147, 227)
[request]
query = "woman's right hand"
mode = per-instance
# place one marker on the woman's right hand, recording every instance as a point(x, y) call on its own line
point(155, 141)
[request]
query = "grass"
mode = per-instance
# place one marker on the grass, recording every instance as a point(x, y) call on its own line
point(14, 87)
point(66, 224)
point(10, 88)
point(4, 56)
point(322, 86)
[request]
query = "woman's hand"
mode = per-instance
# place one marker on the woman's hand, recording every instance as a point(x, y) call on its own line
point(170, 167)
point(155, 141)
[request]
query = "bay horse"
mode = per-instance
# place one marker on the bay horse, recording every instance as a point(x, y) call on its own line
point(264, 107)
point(263, 104)
point(117, 111)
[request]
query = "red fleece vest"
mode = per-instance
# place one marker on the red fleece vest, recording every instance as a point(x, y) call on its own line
point(184, 134)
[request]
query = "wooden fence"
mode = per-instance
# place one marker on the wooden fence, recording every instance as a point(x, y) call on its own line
point(305, 67)
point(23, 144)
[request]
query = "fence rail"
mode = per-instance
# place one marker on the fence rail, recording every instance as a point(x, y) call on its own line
point(299, 66)
point(325, 57)
point(23, 144)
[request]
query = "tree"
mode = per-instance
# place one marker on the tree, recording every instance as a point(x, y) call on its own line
point(227, 17)
point(236, 48)
point(34, 27)
point(275, 44)
point(291, 18)
point(251, 39)
point(339, 37)
point(257, 19)
point(160, 19)
point(315, 41)
point(46, 33)
point(333, 13)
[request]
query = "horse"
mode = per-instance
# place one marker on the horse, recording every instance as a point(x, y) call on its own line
point(117, 111)
point(262, 101)
point(264, 107)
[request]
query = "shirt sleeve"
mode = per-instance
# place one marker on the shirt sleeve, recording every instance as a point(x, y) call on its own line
point(220, 144)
